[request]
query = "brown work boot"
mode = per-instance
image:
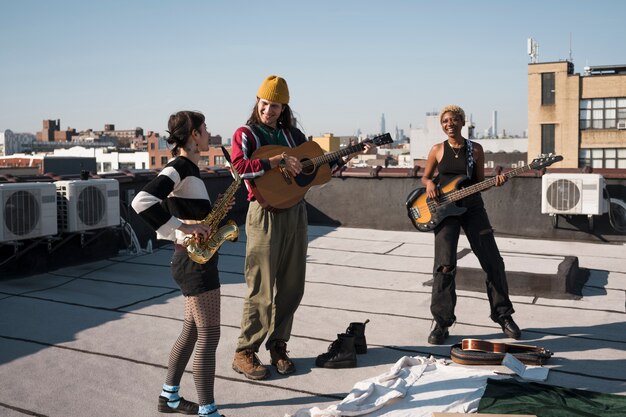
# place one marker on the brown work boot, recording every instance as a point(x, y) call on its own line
point(246, 362)
point(280, 360)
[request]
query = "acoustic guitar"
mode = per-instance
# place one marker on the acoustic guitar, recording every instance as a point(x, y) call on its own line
point(481, 352)
point(497, 347)
point(278, 189)
point(426, 213)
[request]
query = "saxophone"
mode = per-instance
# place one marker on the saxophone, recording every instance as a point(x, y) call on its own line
point(199, 249)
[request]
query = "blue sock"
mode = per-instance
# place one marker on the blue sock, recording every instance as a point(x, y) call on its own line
point(171, 393)
point(207, 409)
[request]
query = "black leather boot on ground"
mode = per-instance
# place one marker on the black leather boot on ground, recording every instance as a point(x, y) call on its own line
point(341, 353)
point(358, 330)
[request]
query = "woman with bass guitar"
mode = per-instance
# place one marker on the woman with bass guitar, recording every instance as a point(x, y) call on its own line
point(453, 157)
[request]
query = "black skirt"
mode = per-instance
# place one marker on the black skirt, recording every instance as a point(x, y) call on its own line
point(194, 278)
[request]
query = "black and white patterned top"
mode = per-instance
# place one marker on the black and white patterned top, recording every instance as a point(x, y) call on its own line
point(176, 195)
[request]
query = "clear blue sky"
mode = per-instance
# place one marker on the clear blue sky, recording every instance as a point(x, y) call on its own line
point(133, 62)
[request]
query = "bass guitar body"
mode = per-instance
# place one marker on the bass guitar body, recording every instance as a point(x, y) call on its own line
point(274, 190)
point(426, 213)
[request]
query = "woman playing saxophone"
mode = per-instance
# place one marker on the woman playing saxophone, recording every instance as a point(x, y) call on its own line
point(174, 204)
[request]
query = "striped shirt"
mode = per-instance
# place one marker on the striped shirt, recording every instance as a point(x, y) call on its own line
point(176, 195)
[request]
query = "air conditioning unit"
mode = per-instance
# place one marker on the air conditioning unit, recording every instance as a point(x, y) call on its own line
point(29, 210)
point(621, 124)
point(573, 194)
point(87, 204)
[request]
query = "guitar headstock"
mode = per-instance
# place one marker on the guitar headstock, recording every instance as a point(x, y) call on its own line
point(379, 140)
point(545, 161)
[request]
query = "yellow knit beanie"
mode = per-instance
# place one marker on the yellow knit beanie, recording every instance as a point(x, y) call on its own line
point(274, 88)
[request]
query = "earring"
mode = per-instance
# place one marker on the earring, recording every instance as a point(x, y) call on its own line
point(197, 150)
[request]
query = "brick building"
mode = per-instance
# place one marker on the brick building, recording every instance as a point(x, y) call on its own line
point(581, 117)
point(159, 154)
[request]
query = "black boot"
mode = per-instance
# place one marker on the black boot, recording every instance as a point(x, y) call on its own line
point(358, 330)
point(341, 353)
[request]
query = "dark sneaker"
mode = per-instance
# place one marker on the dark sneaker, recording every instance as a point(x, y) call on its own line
point(246, 362)
point(280, 360)
point(510, 328)
point(341, 353)
point(438, 335)
point(184, 406)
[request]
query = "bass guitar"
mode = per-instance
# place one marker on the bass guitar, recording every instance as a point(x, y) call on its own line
point(426, 213)
point(277, 189)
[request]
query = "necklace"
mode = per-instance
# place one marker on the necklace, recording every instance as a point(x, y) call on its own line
point(456, 151)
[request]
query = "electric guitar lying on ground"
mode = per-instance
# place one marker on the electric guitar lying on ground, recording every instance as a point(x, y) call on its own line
point(280, 190)
point(426, 213)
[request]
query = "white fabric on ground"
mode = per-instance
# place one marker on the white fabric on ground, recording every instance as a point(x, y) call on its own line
point(414, 387)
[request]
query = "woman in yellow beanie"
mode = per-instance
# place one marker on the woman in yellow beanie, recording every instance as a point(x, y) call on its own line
point(276, 241)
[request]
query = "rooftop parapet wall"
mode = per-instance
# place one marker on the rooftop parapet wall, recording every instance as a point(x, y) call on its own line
point(375, 198)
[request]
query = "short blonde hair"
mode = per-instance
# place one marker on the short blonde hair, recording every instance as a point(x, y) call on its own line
point(452, 108)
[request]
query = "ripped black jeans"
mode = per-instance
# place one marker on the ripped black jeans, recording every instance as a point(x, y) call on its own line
point(479, 233)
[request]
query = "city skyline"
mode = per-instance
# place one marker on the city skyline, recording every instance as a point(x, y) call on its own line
point(132, 64)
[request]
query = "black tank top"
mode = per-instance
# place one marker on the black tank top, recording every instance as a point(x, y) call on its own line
point(452, 164)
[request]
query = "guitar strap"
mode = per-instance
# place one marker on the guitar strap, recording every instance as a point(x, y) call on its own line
point(470, 159)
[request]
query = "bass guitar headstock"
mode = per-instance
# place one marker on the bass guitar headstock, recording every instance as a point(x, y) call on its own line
point(545, 161)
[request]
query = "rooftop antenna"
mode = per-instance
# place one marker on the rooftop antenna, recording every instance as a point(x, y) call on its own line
point(570, 48)
point(533, 50)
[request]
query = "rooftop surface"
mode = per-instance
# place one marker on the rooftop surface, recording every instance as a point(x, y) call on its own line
point(94, 339)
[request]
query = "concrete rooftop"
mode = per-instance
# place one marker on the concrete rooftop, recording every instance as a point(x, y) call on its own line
point(93, 339)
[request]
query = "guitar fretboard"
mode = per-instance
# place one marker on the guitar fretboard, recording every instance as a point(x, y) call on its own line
point(483, 185)
point(333, 156)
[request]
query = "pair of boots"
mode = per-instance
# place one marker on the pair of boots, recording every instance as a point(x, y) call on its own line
point(342, 352)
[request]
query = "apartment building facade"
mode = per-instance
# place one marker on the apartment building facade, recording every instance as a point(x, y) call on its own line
point(159, 153)
point(581, 117)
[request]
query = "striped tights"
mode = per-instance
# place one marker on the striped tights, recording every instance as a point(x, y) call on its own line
point(201, 329)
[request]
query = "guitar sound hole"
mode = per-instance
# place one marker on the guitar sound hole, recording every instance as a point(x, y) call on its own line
point(307, 167)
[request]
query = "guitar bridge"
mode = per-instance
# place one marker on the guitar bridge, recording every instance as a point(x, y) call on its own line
point(286, 175)
point(415, 213)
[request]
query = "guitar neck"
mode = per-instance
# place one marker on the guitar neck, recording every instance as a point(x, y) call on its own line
point(333, 156)
point(483, 185)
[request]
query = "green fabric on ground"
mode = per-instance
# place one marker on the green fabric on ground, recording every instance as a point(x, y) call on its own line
point(514, 397)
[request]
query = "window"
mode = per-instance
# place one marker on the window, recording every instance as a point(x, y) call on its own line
point(547, 89)
point(220, 161)
point(152, 146)
point(152, 161)
point(547, 139)
point(602, 113)
point(602, 158)
point(163, 160)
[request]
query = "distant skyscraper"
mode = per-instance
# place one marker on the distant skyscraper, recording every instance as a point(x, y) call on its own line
point(382, 124)
point(494, 124)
